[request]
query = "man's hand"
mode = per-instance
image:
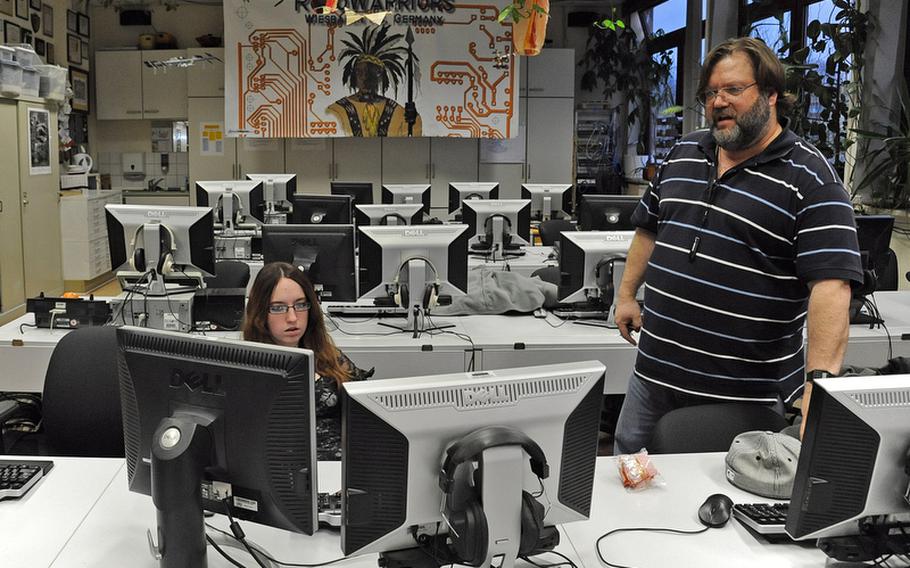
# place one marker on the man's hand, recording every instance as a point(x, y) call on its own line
point(627, 317)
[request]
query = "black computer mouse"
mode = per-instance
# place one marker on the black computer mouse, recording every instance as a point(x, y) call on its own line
point(716, 510)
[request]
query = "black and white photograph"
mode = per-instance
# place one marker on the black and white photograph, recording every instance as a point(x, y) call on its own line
point(39, 141)
point(85, 53)
point(35, 4)
point(22, 9)
point(82, 25)
point(49, 55)
point(73, 49)
point(47, 15)
point(40, 46)
point(11, 33)
point(72, 21)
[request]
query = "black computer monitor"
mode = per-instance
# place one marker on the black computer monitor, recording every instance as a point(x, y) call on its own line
point(482, 216)
point(598, 212)
point(461, 190)
point(324, 252)
point(397, 434)
point(874, 235)
point(312, 209)
point(548, 200)
point(277, 188)
point(360, 191)
point(211, 423)
point(389, 214)
point(852, 477)
point(588, 264)
point(408, 194)
point(247, 205)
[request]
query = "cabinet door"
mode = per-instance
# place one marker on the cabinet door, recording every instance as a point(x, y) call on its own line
point(260, 156)
point(163, 90)
point(509, 176)
point(206, 79)
point(551, 73)
point(359, 159)
point(451, 159)
point(218, 162)
point(12, 281)
point(405, 160)
point(550, 135)
point(40, 197)
point(312, 161)
point(119, 91)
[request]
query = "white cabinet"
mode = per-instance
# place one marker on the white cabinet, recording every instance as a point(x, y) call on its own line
point(83, 231)
point(12, 281)
point(451, 159)
point(127, 89)
point(359, 159)
point(405, 160)
point(312, 161)
point(551, 73)
point(206, 79)
point(551, 131)
point(259, 156)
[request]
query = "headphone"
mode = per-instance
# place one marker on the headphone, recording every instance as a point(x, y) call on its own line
point(467, 518)
point(165, 261)
point(402, 294)
point(400, 218)
point(603, 275)
point(488, 229)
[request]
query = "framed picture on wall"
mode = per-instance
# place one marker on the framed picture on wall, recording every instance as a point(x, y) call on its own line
point(79, 81)
point(82, 25)
point(22, 9)
point(11, 33)
point(6, 7)
point(35, 4)
point(26, 36)
point(73, 49)
point(40, 46)
point(72, 21)
point(39, 141)
point(49, 55)
point(85, 52)
point(47, 14)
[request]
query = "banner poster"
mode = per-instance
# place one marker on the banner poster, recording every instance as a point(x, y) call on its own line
point(300, 69)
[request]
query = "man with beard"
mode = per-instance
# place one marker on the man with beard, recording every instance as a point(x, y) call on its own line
point(745, 236)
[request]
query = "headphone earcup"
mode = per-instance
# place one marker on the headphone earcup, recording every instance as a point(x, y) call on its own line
point(166, 263)
point(532, 514)
point(471, 525)
point(402, 296)
point(430, 296)
point(138, 260)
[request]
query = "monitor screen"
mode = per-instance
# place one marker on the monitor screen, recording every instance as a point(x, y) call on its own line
point(548, 200)
point(461, 190)
point(854, 456)
point(214, 422)
point(247, 207)
point(154, 231)
point(360, 191)
point(585, 263)
point(316, 209)
point(479, 215)
point(874, 235)
point(277, 188)
point(408, 193)
point(598, 212)
point(324, 252)
point(396, 433)
point(385, 250)
point(397, 214)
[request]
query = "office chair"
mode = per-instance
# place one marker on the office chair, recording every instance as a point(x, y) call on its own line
point(711, 427)
point(80, 414)
point(550, 229)
point(229, 274)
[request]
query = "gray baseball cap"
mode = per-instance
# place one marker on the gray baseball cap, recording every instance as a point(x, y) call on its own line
point(763, 463)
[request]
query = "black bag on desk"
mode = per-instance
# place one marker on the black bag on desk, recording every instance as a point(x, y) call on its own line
point(67, 313)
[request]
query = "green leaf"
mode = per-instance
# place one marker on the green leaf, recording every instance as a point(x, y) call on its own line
point(539, 9)
point(620, 24)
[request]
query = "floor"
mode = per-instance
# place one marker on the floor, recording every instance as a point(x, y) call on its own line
point(110, 288)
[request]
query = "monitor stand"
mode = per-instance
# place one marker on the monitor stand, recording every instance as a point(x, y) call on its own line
point(859, 317)
point(417, 311)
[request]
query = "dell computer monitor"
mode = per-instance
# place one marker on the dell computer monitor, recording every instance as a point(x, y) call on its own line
point(175, 243)
point(874, 235)
point(461, 190)
point(408, 193)
point(324, 252)
point(587, 265)
point(548, 200)
point(853, 465)
point(277, 188)
point(385, 252)
point(247, 208)
point(396, 432)
point(598, 212)
point(210, 423)
point(395, 214)
point(513, 215)
point(321, 209)
point(360, 191)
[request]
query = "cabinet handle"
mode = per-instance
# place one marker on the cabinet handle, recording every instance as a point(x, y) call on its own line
point(535, 89)
point(336, 170)
point(331, 170)
point(152, 111)
point(432, 171)
point(1, 207)
point(529, 172)
point(239, 171)
point(134, 112)
point(24, 198)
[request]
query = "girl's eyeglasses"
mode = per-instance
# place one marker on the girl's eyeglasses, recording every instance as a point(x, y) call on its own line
point(277, 309)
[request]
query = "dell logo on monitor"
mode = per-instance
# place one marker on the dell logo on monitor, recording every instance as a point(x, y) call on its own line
point(206, 383)
point(414, 233)
point(480, 396)
point(155, 214)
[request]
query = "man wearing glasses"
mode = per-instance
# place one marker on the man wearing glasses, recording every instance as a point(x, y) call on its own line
point(745, 236)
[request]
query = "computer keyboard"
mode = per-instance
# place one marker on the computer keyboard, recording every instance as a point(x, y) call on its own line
point(764, 518)
point(17, 477)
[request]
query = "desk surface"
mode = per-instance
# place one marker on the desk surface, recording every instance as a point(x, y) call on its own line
point(110, 530)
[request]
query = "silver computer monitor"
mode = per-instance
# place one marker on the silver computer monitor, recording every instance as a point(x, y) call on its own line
point(483, 216)
point(389, 214)
point(407, 193)
point(176, 242)
point(461, 190)
point(397, 432)
point(852, 475)
point(548, 200)
point(277, 188)
point(589, 264)
point(245, 209)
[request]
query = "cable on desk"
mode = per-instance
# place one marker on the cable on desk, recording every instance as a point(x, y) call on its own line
point(614, 531)
point(568, 562)
point(21, 325)
point(355, 333)
point(279, 562)
point(461, 336)
point(222, 552)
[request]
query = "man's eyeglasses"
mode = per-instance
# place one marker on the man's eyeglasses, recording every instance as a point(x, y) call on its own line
point(729, 93)
point(277, 309)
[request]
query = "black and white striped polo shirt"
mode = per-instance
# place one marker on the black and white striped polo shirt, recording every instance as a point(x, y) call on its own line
point(726, 320)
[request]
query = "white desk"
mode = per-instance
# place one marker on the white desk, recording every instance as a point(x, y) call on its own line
point(534, 258)
point(35, 528)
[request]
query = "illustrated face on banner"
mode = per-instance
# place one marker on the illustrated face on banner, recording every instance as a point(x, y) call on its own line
point(292, 71)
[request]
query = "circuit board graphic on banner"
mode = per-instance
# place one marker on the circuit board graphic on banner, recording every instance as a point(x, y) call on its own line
point(424, 68)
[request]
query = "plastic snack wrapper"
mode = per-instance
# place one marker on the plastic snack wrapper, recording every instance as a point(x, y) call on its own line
point(637, 472)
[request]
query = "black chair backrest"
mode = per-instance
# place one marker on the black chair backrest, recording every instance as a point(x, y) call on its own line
point(886, 276)
point(229, 274)
point(550, 229)
point(711, 427)
point(81, 403)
